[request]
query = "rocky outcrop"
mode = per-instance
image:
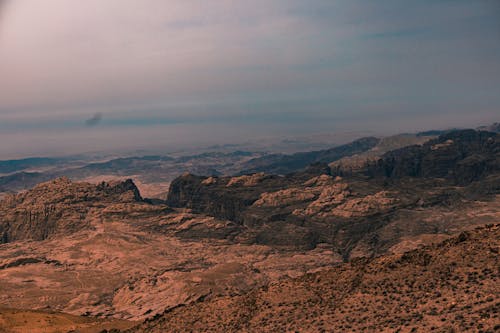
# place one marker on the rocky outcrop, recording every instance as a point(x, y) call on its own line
point(229, 197)
point(284, 197)
point(338, 201)
point(329, 197)
point(221, 197)
point(262, 204)
point(378, 203)
point(124, 190)
point(58, 207)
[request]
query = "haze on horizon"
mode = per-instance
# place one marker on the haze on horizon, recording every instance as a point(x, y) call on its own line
point(101, 75)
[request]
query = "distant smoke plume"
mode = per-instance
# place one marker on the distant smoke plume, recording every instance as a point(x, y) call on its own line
point(96, 119)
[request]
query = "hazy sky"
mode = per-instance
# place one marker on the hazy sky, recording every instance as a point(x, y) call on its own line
point(102, 74)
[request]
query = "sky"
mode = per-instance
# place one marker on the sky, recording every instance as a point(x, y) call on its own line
point(98, 75)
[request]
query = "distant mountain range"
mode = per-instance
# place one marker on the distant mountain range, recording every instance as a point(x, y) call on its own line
point(162, 169)
point(284, 164)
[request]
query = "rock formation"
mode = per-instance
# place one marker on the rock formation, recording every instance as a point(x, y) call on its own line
point(353, 213)
point(58, 207)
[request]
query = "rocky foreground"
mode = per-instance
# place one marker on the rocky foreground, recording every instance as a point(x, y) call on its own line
point(449, 287)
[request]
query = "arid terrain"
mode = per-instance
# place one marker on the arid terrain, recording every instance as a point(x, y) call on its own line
point(448, 287)
point(323, 247)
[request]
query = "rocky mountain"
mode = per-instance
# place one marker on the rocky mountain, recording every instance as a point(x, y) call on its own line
point(358, 215)
point(448, 287)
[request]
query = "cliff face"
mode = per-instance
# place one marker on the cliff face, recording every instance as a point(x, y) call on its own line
point(459, 156)
point(222, 197)
point(58, 207)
